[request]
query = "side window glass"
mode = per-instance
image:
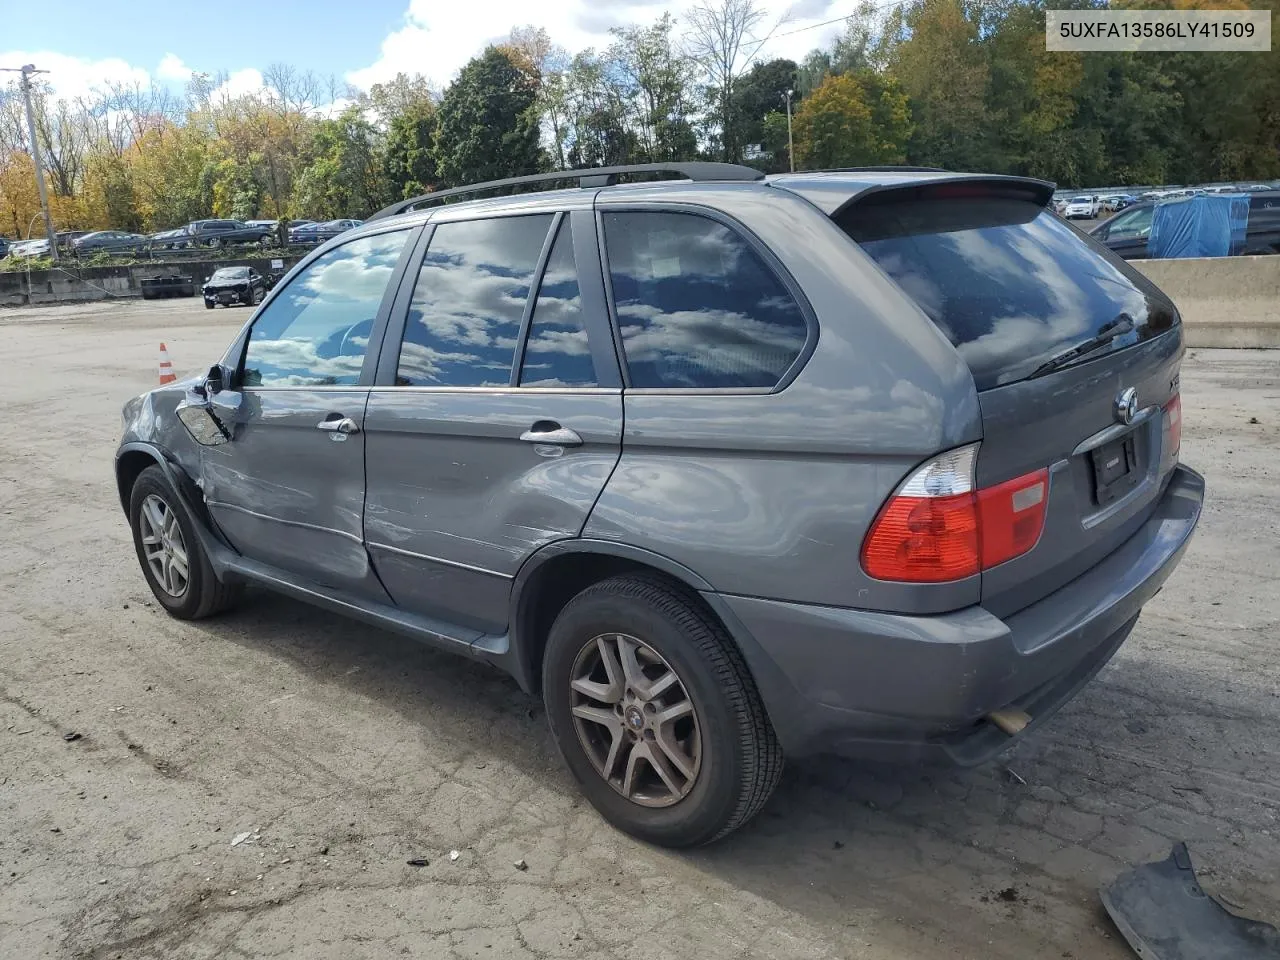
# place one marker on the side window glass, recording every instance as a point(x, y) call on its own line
point(464, 319)
point(1131, 226)
point(556, 353)
point(316, 331)
point(697, 307)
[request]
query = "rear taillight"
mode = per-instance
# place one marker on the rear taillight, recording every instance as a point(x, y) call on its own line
point(938, 527)
point(1011, 516)
point(1173, 422)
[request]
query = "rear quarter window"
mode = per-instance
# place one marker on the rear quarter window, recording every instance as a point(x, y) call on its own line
point(1007, 282)
point(696, 306)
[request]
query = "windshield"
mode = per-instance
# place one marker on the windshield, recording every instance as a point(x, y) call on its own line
point(231, 273)
point(1007, 282)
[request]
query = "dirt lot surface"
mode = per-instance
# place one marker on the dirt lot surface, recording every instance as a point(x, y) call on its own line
point(335, 753)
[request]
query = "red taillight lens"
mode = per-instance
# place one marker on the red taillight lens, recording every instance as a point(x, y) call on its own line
point(924, 540)
point(1173, 417)
point(1011, 516)
point(938, 528)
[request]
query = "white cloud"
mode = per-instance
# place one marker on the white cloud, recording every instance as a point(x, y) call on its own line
point(172, 68)
point(437, 39)
point(73, 77)
point(238, 83)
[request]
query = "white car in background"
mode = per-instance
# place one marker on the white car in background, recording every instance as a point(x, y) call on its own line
point(1081, 208)
point(30, 248)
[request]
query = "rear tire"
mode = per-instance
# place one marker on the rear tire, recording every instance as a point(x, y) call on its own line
point(161, 526)
point(721, 765)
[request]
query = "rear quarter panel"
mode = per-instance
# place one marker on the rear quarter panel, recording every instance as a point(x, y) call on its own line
point(770, 495)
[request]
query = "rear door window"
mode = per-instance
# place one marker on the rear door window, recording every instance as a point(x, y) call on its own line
point(697, 307)
point(1007, 282)
point(556, 353)
point(469, 299)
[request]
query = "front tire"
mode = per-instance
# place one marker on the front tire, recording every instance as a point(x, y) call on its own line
point(172, 559)
point(656, 715)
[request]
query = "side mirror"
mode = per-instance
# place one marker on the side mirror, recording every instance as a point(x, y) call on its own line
point(215, 381)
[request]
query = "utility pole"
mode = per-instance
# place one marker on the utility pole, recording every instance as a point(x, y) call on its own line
point(26, 72)
point(791, 146)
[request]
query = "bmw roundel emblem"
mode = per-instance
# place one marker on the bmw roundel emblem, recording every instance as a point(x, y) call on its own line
point(1126, 405)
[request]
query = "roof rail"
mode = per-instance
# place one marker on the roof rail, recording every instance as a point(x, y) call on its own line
point(885, 168)
point(700, 171)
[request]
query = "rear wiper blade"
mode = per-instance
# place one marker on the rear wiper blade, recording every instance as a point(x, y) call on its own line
point(1116, 328)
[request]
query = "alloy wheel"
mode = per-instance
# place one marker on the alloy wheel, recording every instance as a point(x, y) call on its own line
point(635, 720)
point(163, 546)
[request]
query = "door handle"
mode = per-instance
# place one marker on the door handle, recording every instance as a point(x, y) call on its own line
point(339, 425)
point(552, 434)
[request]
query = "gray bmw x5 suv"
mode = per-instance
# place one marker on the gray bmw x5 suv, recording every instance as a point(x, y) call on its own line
point(876, 462)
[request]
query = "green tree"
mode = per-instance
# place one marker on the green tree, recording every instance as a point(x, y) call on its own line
point(932, 50)
point(852, 120)
point(409, 157)
point(236, 193)
point(647, 75)
point(759, 92)
point(719, 36)
point(344, 178)
point(489, 123)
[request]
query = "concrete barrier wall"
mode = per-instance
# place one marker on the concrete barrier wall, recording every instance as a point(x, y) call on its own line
point(98, 283)
point(1224, 301)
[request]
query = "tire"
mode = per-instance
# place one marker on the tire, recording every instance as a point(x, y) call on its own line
point(203, 593)
point(737, 759)
point(208, 305)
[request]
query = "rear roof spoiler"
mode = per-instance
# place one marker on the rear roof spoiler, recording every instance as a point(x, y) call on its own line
point(834, 194)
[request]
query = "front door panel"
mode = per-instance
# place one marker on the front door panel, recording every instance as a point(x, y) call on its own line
point(288, 488)
point(290, 494)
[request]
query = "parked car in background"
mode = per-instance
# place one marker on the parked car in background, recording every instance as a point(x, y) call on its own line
point(108, 240)
point(4, 246)
point(221, 233)
point(320, 232)
point(1127, 233)
point(176, 239)
point(1117, 202)
point(38, 247)
point(728, 469)
point(1079, 208)
point(230, 285)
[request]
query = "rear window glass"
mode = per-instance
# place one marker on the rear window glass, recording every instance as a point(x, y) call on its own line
point(1005, 280)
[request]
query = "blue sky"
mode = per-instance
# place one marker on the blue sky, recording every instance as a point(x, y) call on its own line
point(87, 42)
point(332, 36)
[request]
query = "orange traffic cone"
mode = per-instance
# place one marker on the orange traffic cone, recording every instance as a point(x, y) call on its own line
point(166, 368)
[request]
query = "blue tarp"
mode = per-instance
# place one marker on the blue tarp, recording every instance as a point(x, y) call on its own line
point(1204, 226)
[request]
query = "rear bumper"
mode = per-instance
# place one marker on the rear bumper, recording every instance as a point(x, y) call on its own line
point(874, 684)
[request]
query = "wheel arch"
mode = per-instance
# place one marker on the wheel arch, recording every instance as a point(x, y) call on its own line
point(135, 456)
point(558, 572)
point(131, 460)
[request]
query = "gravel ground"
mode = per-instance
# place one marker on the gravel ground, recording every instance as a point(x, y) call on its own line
point(335, 753)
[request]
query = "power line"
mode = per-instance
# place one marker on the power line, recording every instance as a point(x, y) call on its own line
point(825, 23)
